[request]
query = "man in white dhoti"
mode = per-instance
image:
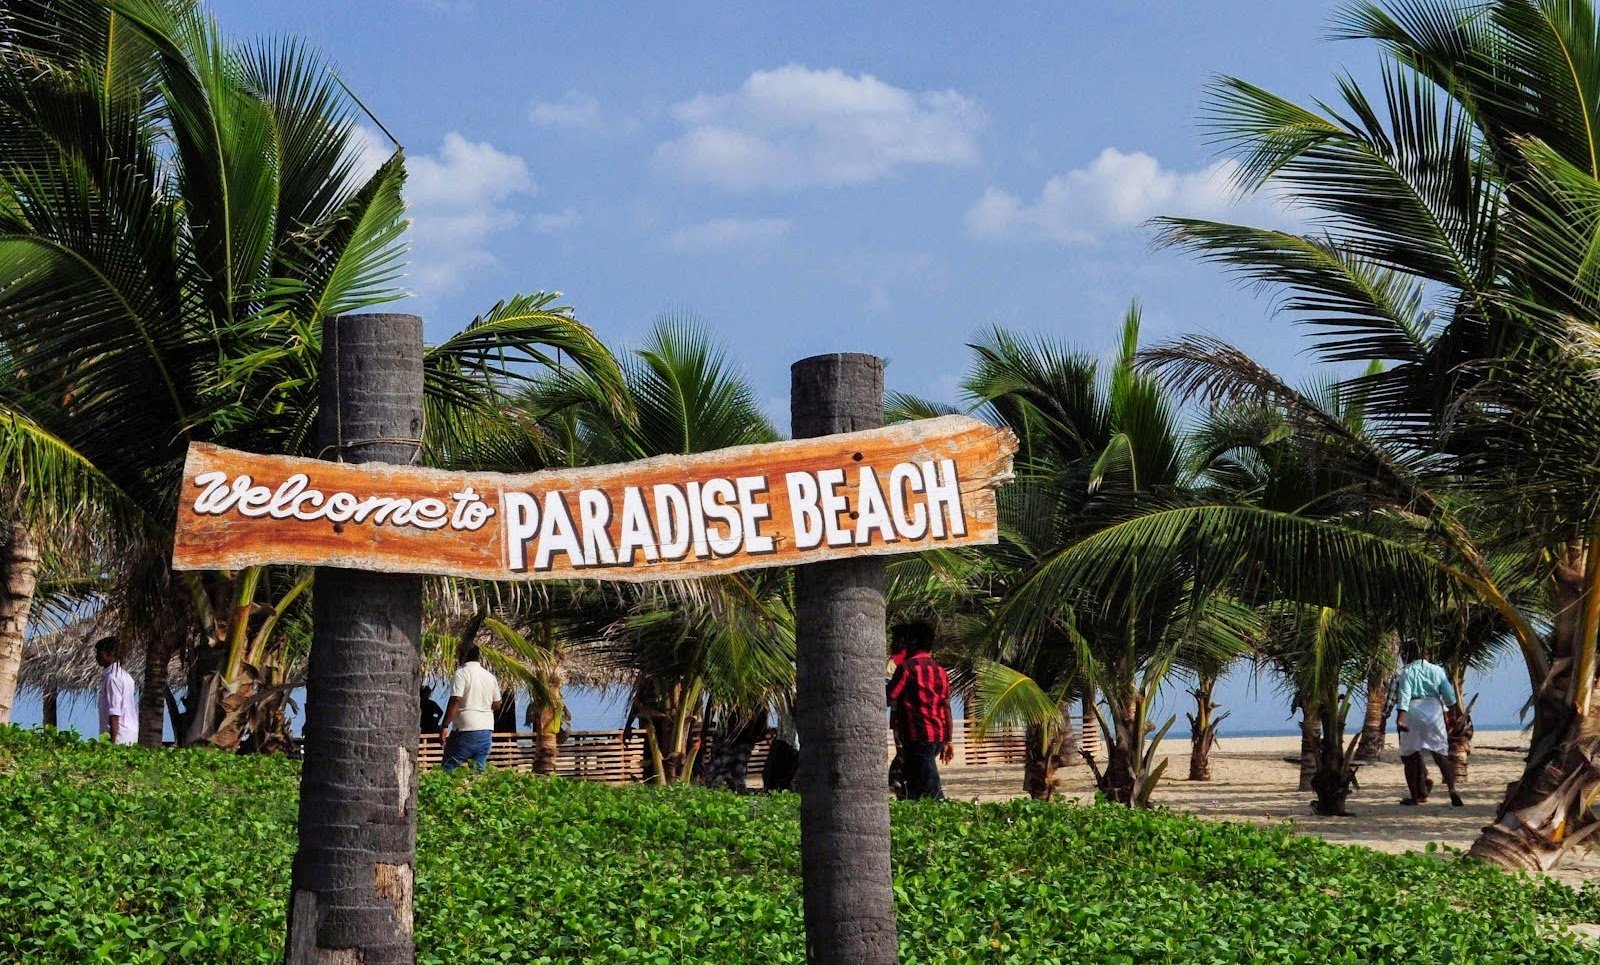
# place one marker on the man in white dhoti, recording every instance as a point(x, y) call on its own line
point(1426, 703)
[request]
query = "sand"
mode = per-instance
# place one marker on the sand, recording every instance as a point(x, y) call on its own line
point(1252, 782)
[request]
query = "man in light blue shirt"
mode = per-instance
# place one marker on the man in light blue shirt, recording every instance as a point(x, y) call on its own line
point(1426, 705)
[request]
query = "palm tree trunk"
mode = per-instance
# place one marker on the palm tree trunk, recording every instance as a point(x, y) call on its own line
point(1310, 741)
point(547, 733)
point(1374, 723)
point(1545, 813)
point(654, 764)
point(19, 577)
point(1461, 734)
point(1042, 758)
point(49, 713)
point(1334, 774)
point(1202, 729)
point(153, 691)
point(847, 887)
point(1089, 736)
point(353, 871)
point(1120, 780)
point(202, 697)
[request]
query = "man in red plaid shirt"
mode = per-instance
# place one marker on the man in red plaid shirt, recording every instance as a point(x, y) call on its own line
point(919, 692)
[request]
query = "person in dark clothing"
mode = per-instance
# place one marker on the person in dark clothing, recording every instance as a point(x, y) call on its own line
point(919, 692)
point(432, 713)
point(505, 719)
point(897, 765)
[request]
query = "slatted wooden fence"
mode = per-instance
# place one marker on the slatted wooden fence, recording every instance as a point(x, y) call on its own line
point(603, 755)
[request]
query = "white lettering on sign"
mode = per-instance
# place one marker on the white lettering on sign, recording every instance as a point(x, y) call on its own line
point(721, 517)
point(702, 520)
point(898, 489)
point(294, 499)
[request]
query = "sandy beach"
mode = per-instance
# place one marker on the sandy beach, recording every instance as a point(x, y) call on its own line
point(1252, 781)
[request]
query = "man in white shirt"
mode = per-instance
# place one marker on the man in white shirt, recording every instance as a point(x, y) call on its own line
point(119, 701)
point(474, 698)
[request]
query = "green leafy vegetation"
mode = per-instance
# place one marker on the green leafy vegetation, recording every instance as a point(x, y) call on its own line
point(131, 856)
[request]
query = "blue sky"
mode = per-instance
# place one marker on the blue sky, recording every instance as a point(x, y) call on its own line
point(887, 177)
point(809, 178)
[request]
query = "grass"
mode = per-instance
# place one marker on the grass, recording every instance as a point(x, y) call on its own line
point(124, 855)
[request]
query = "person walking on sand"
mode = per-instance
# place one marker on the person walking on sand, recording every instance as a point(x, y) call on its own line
point(1426, 704)
point(119, 703)
point(474, 699)
point(919, 692)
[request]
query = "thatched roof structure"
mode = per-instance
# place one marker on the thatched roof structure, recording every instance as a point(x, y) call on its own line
point(62, 660)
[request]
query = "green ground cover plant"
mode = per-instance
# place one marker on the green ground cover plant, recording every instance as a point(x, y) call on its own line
point(126, 855)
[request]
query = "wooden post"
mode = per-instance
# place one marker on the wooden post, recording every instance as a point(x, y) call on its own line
point(353, 872)
point(840, 637)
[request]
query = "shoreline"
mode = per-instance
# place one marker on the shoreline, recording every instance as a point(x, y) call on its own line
point(1251, 782)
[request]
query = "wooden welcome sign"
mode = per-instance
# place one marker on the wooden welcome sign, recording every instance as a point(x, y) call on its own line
point(900, 489)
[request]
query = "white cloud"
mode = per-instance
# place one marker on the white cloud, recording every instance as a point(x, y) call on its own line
point(555, 222)
point(794, 127)
point(457, 199)
point(1116, 191)
point(575, 110)
point(723, 234)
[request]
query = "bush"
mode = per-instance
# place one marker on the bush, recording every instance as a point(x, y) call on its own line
point(126, 855)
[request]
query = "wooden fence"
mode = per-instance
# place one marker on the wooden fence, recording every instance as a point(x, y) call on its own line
point(603, 755)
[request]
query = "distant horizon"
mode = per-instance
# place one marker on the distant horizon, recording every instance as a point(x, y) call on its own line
point(594, 711)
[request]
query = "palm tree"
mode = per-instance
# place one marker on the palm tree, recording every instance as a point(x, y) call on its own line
point(707, 657)
point(1205, 720)
point(181, 216)
point(1468, 636)
point(19, 577)
point(1093, 450)
point(1321, 652)
point(1452, 220)
point(1380, 669)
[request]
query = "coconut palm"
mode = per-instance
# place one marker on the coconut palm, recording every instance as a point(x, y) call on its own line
point(1467, 637)
point(1453, 216)
point(1093, 449)
point(1321, 653)
point(179, 217)
point(709, 656)
point(1381, 669)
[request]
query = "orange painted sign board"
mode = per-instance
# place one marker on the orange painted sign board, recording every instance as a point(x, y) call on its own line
point(900, 489)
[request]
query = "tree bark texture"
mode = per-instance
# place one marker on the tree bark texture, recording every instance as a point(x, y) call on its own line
point(1333, 777)
point(840, 626)
point(19, 577)
point(1374, 723)
point(1462, 731)
point(1203, 729)
point(353, 872)
point(1545, 812)
point(1310, 740)
point(153, 689)
point(1122, 779)
point(1044, 758)
point(1089, 735)
point(548, 721)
